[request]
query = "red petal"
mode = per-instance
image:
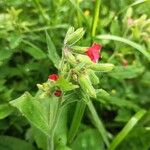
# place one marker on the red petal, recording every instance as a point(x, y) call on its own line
point(94, 52)
point(57, 93)
point(53, 77)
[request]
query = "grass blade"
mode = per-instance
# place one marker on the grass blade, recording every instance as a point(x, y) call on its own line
point(52, 52)
point(125, 131)
point(95, 17)
point(126, 41)
point(98, 123)
point(79, 111)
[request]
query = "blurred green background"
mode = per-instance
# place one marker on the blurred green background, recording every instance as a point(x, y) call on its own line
point(24, 61)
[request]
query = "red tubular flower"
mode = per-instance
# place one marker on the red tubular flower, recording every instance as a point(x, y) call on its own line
point(57, 93)
point(94, 52)
point(53, 77)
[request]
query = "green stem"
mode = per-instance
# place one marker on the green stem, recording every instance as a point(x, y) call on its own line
point(50, 139)
point(95, 17)
point(98, 123)
point(78, 14)
point(79, 111)
point(125, 131)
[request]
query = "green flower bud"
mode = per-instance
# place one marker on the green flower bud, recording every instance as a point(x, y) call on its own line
point(40, 87)
point(70, 58)
point(70, 31)
point(86, 85)
point(84, 59)
point(102, 67)
point(79, 49)
point(93, 77)
point(102, 93)
point(74, 37)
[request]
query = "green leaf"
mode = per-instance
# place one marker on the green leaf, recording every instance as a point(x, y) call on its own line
point(14, 40)
point(103, 97)
point(89, 139)
point(52, 52)
point(138, 142)
point(12, 143)
point(39, 137)
point(65, 85)
point(128, 72)
point(34, 51)
point(33, 111)
point(97, 122)
point(5, 110)
point(126, 41)
point(127, 128)
point(5, 54)
point(77, 117)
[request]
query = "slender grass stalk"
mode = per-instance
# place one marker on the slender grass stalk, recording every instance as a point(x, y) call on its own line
point(98, 123)
point(95, 17)
point(126, 41)
point(125, 131)
point(79, 17)
point(79, 111)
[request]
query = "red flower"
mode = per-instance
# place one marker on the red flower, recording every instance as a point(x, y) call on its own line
point(94, 52)
point(53, 77)
point(57, 93)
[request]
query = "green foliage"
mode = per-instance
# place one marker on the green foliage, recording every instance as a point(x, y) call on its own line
point(12, 143)
point(87, 140)
point(31, 39)
point(33, 111)
point(5, 110)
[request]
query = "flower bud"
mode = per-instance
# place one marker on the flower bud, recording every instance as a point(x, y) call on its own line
point(70, 31)
point(84, 59)
point(79, 49)
point(93, 77)
point(70, 58)
point(86, 85)
point(74, 37)
point(102, 67)
point(102, 93)
point(40, 87)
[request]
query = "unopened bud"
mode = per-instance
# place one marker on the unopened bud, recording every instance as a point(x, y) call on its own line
point(84, 59)
point(102, 93)
point(93, 77)
point(70, 58)
point(40, 87)
point(86, 85)
point(74, 37)
point(102, 67)
point(79, 49)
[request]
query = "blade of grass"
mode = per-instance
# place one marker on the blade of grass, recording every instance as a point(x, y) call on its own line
point(126, 41)
point(79, 111)
point(131, 5)
point(79, 15)
point(52, 52)
point(125, 131)
point(98, 123)
point(95, 17)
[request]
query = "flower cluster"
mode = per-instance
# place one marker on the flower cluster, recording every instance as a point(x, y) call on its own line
point(54, 77)
point(92, 52)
